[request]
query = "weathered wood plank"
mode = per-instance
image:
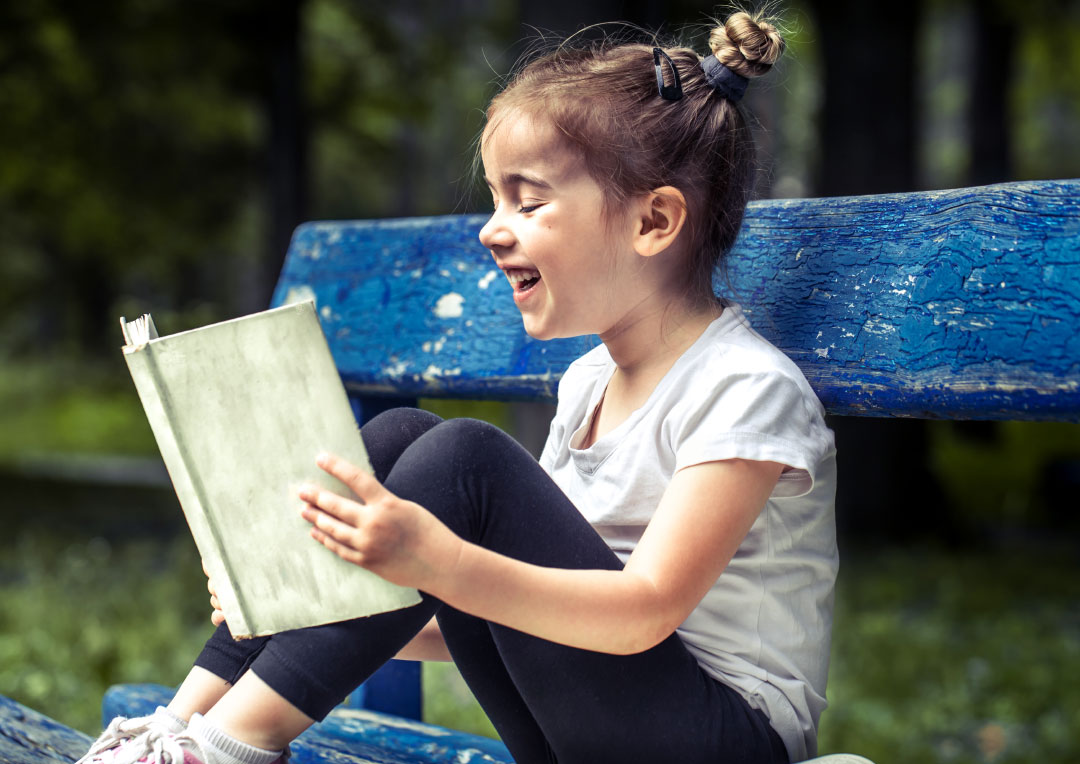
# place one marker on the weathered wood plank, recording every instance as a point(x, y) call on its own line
point(948, 304)
point(347, 736)
point(27, 737)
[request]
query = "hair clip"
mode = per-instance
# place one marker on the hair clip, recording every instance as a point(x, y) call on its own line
point(671, 92)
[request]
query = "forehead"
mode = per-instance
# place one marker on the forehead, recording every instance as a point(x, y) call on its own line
point(519, 143)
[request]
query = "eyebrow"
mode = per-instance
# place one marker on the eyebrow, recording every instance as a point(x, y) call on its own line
point(517, 178)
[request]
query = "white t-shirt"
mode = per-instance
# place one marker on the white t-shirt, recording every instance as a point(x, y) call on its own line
point(764, 626)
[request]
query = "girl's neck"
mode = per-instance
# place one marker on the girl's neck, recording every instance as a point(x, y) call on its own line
point(655, 340)
point(644, 351)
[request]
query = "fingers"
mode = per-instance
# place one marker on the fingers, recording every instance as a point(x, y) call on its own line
point(362, 483)
point(218, 616)
point(343, 524)
point(332, 504)
point(327, 526)
point(342, 550)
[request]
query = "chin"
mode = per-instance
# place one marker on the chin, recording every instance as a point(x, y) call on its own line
point(539, 332)
point(542, 332)
point(537, 328)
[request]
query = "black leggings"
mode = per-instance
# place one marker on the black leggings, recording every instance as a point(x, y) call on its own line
point(548, 701)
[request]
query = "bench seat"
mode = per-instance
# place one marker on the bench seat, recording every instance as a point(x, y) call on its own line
point(346, 736)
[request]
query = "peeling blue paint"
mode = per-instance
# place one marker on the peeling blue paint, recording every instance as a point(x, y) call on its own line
point(947, 304)
point(27, 737)
point(346, 736)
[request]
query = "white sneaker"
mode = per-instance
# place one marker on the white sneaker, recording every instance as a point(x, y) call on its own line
point(125, 741)
point(150, 748)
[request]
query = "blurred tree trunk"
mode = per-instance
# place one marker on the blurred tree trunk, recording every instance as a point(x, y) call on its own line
point(92, 291)
point(286, 142)
point(288, 135)
point(412, 27)
point(869, 128)
point(869, 116)
point(988, 110)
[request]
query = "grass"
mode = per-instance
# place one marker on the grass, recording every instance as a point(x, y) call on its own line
point(961, 656)
point(77, 615)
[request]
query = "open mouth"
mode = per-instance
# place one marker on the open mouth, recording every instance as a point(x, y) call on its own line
point(523, 279)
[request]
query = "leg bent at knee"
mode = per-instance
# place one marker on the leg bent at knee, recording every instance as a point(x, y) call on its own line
point(391, 432)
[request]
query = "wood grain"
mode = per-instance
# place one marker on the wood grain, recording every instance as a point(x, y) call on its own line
point(27, 737)
point(944, 304)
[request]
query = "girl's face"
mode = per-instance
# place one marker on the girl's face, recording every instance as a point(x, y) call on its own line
point(567, 266)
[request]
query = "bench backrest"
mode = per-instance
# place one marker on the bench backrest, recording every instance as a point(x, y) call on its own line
point(941, 304)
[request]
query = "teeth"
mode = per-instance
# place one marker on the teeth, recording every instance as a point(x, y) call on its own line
point(518, 275)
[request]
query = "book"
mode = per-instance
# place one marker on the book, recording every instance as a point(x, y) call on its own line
point(240, 409)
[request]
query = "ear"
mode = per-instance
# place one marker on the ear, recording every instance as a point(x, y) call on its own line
point(661, 214)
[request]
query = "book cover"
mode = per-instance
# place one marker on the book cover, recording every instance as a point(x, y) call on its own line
point(239, 410)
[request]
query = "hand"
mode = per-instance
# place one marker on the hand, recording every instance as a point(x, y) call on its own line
point(396, 539)
point(218, 616)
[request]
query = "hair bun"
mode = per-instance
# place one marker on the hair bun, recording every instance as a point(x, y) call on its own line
point(748, 45)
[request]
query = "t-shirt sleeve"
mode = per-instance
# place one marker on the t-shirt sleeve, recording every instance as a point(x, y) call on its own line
point(551, 446)
point(761, 415)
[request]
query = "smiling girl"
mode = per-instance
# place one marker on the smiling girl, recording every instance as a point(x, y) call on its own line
point(659, 586)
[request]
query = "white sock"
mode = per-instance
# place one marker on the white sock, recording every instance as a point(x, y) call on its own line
point(225, 749)
point(168, 720)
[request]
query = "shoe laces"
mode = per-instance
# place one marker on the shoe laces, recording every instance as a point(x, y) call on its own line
point(170, 748)
point(134, 735)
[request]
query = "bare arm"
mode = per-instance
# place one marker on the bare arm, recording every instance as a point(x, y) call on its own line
point(703, 517)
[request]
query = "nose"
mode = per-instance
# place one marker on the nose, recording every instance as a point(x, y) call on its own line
point(495, 234)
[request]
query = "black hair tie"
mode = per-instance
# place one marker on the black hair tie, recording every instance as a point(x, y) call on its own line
point(730, 84)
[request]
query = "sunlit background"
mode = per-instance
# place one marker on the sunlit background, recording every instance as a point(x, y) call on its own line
point(156, 155)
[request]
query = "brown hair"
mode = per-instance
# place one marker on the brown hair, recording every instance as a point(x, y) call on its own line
point(603, 98)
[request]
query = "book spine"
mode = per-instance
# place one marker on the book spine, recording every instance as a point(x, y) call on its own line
point(153, 393)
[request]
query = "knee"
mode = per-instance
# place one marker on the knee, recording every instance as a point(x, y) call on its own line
point(457, 450)
point(469, 438)
point(388, 434)
point(394, 423)
point(451, 470)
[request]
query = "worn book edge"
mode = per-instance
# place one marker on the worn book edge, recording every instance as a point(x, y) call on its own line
point(138, 334)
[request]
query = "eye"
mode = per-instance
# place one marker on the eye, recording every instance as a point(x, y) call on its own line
point(526, 208)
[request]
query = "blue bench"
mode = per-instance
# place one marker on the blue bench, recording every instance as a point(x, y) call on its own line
point(961, 304)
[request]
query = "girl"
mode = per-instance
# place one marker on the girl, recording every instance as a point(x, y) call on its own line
point(659, 587)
